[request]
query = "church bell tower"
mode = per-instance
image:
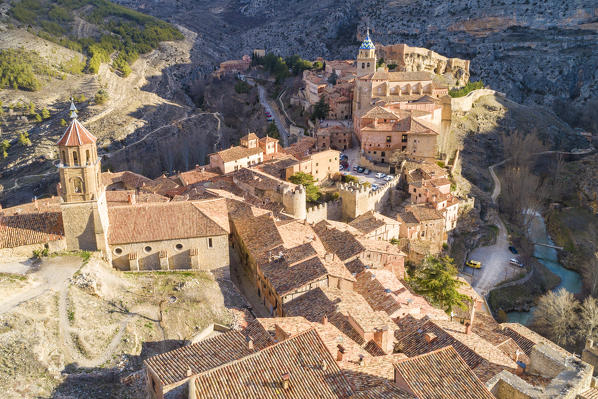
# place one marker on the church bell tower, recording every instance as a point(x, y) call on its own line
point(366, 58)
point(84, 208)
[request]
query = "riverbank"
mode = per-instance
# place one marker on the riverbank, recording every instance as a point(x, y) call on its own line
point(576, 230)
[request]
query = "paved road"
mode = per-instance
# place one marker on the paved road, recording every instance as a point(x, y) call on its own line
point(353, 154)
point(495, 258)
point(51, 274)
point(284, 134)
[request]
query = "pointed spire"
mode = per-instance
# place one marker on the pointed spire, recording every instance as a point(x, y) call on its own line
point(367, 43)
point(73, 110)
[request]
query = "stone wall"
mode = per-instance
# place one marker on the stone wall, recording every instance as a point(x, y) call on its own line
point(357, 199)
point(366, 163)
point(27, 250)
point(327, 211)
point(464, 104)
point(178, 254)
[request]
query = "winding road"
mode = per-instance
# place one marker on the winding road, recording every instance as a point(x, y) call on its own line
point(495, 258)
point(284, 134)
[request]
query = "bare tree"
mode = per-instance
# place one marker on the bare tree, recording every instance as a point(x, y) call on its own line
point(523, 193)
point(555, 316)
point(588, 319)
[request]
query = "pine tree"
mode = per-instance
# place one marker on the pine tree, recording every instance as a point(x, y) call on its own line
point(4, 146)
point(437, 280)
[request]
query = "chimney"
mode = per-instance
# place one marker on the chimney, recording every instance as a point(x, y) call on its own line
point(361, 360)
point(324, 365)
point(589, 342)
point(249, 343)
point(285, 381)
point(189, 372)
point(430, 337)
point(340, 353)
point(132, 199)
point(325, 320)
point(196, 167)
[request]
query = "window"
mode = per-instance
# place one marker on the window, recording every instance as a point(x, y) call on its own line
point(87, 157)
point(210, 243)
point(118, 251)
point(374, 152)
point(368, 64)
point(147, 249)
point(403, 148)
point(77, 185)
point(179, 246)
point(362, 65)
point(404, 138)
point(388, 139)
point(75, 158)
point(64, 157)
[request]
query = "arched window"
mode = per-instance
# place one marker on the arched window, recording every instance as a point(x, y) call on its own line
point(87, 157)
point(77, 185)
point(368, 64)
point(362, 65)
point(64, 160)
point(75, 158)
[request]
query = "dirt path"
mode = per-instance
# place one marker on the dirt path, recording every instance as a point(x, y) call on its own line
point(52, 274)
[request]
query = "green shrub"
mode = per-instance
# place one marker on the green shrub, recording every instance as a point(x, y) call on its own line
point(4, 146)
point(468, 88)
point(242, 87)
point(62, 122)
point(307, 180)
point(24, 139)
point(101, 97)
point(45, 113)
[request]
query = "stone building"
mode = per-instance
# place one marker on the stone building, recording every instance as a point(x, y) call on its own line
point(242, 156)
point(334, 137)
point(233, 66)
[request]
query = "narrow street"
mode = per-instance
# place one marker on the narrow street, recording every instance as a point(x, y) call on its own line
point(284, 134)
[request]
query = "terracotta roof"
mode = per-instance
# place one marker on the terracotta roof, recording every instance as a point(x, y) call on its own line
point(472, 348)
point(371, 221)
point(526, 338)
point(121, 197)
point(423, 213)
point(250, 136)
point(302, 148)
point(171, 367)
point(379, 112)
point(160, 221)
point(440, 374)
point(341, 243)
point(259, 376)
point(591, 393)
point(197, 175)
point(162, 185)
point(30, 228)
point(259, 234)
point(75, 135)
point(383, 391)
point(268, 139)
point(238, 152)
point(129, 180)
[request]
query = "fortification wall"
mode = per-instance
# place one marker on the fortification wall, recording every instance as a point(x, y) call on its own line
point(331, 210)
point(366, 163)
point(464, 104)
point(357, 200)
point(412, 59)
point(27, 250)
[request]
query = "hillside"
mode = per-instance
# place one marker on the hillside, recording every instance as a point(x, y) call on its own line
point(543, 52)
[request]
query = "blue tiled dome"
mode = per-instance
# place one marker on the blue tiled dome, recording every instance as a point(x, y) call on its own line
point(367, 43)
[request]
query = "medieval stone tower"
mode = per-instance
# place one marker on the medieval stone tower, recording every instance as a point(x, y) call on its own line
point(294, 201)
point(84, 208)
point(366, 65)
point(355, 200)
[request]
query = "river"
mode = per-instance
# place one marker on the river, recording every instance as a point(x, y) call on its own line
point(570, 280)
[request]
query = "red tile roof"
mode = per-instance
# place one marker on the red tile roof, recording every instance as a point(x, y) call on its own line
point(160, 221)
point(440, 374)
point(171, 367)
point(75, 135)
point(259, 376)
point(30, 228)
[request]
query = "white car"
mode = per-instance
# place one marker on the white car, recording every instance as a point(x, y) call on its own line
point(516, 262)
point(380, 175)
point(388, 177)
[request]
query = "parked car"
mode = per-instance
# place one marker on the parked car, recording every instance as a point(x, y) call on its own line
point(341, 167)
point(374, 187)
point(366, 171)
point(516, 262)
point(389, 177)
point(380, 175)
point(355, 167)
point(360, 169)
point(344, 156)
point(513, 250)
point(474, 264)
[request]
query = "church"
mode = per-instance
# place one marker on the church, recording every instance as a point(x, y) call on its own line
point(133, 230)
